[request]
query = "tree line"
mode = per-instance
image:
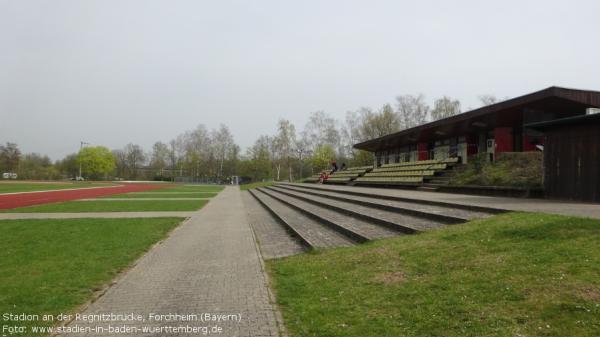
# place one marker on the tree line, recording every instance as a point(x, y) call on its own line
point(211, 155)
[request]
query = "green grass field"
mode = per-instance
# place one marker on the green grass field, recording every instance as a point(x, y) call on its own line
point(193, 188)
point(112, 206)
point(50, 266)
point(146, 195)
point(12, 187)
point(515, 274)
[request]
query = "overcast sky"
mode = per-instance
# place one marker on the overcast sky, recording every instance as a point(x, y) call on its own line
point(115, 72)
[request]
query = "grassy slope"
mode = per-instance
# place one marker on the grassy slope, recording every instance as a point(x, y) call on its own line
point(112, 206)
point(13, 187)
point(516, 274)
point(49, 266)
point(516, 169)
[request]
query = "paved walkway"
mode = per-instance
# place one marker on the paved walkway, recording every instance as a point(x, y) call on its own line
point(511, 204)
point(209, 265)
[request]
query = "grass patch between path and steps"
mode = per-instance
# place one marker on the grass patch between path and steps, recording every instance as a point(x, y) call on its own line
point(54, 266)
point(516, 274)
point(112, 206)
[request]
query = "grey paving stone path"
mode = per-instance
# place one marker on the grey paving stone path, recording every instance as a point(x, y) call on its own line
point(561, 207)
point(210, 264)
point(273, 239)
point(16, 216)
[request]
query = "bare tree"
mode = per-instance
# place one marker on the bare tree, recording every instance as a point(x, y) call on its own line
point(412, 110)
point(445, 107)
point(160, 156)
point(224, 146)
point(380, 123)
point(350, 132)
point(174, 151)
point(365, 124)
point(321, 129)
point(135, 158)
point(9, 157)
point(121, 168)
point(487, 99)
point(284, 144)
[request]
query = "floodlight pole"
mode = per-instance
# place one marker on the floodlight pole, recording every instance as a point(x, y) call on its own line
point(81, 145)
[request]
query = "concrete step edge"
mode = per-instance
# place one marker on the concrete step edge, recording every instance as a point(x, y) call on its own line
point(446, 219)
point(484, 209)
point(395, 226)
point(352, 234)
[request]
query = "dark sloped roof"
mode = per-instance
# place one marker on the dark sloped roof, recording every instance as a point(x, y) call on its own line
point(593, 119)
point(583, 97)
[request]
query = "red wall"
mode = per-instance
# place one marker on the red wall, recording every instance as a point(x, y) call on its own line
point(422, 148)
point(472, 144)
point(504, 140)
point(527, 146)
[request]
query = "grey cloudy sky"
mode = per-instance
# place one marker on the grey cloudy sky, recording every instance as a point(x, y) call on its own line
point(117, 71)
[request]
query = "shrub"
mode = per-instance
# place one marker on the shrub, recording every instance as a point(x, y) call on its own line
point(511, 169)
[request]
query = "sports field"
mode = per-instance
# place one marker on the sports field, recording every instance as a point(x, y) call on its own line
point(18, 186)
point(54, 266)
point(145, 198)
point(517, 274)
point(174, 191)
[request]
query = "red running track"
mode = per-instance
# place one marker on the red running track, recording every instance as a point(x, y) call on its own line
point(8, 201)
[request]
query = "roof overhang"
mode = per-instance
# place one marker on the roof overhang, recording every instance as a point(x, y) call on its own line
point(593, 119)
point(499, 114)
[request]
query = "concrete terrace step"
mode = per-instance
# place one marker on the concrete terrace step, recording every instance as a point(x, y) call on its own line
point(386, 196)
point(357, 228)
point(275, 240)
point(310, 231)
point(395, 220)
point(443, 214)
point(453, 213)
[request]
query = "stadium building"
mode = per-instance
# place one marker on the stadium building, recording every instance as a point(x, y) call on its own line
point(492, 129)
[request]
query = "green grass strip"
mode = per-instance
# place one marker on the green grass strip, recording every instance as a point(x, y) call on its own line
point(53, 266)
point(112, 206)
point(515, 274)
point(194, 188)
point(161, 195)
